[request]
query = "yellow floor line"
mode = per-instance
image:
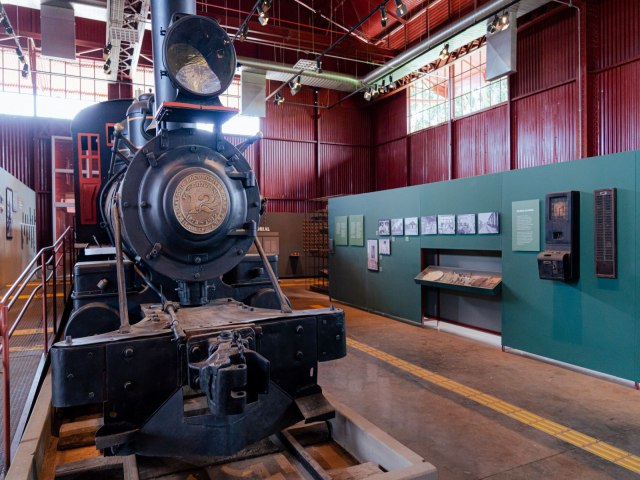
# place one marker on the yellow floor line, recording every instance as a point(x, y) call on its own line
point(31, 348)
point(31, 331)
point(319, 306)
point(585, 442)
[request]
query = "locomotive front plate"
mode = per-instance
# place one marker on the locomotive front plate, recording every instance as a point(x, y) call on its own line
point(201, 203)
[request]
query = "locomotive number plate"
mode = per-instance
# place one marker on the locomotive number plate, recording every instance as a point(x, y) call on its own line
point(201, 202)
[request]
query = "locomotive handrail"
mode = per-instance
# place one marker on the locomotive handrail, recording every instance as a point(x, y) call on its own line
point(45, 263)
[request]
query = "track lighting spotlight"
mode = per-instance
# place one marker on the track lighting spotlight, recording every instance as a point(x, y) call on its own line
point(498, 23)
point(392, 84)
point(383, 17)
point(279, 99)
point(263, 14)
point(7, 25)
point(319, 66)
point(295, 85)
point(401, 8)
point(107, 49)
point(25, 71)
point(367, 95)
point(444, 53)
point(375, 92)
point(243, 32)
point(504, 20)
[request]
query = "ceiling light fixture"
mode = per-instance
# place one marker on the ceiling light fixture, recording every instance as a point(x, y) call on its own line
point(367, 94)
point(444, 53)
point(383, 17)
point(401, 8)
point(504, 20)
point(279, 99)
point(296, 85)
point(25, 70)
point(263, 15)
point(392, 84)
point(243, 33)
point(106, 50)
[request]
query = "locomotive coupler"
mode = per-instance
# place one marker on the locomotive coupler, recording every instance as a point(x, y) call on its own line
point(233, 374)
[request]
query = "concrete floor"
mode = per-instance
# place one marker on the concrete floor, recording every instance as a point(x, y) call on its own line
point(464, 439)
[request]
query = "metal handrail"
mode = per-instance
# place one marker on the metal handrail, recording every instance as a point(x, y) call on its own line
point(48, 257)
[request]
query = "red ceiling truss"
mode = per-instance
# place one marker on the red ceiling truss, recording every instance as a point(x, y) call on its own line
point(298, 29)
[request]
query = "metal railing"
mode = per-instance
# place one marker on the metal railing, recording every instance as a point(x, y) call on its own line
point(44, 267)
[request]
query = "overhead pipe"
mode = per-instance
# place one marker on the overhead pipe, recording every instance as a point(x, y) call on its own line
point(277, 67)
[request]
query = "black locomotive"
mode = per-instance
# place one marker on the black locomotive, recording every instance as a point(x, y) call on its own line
point(188, 352)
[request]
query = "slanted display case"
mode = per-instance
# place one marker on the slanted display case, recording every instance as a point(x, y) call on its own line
point(486, 283)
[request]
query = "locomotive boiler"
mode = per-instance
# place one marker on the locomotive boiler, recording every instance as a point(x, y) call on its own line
point(181, 360)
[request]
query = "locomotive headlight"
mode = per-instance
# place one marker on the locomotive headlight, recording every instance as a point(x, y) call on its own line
point(198, 56)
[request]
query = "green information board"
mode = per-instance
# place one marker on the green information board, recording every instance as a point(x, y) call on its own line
point(356, 230)
point(342, 230)
point(525, 226)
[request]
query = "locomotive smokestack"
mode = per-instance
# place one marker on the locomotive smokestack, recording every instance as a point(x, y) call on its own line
point(161, 13)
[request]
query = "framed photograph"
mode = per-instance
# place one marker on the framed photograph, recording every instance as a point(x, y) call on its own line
point(447, 224)
point(372, 255)
point(385, 246)
point(466, 224)
point(488, 223)
point(429, 225)
point(411, 226)
point(397, 226)
point(384, 227)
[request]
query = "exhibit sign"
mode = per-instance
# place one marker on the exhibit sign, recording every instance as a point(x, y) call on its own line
point(525, 226)
point(342, 230)
point(356, 230)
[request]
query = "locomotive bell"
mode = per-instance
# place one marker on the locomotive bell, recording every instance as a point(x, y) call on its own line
point(199, 57)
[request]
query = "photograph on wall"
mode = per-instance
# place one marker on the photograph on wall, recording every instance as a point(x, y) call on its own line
point(372, 255)
point(488, 223)
point(397, 226)
point(411, 226)
point(428, 225)
point(446, 224)
point(466, 224)
point(385, 246)
point(9, 213)
point(384, 227)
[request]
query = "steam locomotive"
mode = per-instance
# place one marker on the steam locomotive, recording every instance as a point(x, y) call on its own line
point(186, 350)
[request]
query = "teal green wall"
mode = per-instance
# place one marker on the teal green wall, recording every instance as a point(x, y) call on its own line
point(592, 323)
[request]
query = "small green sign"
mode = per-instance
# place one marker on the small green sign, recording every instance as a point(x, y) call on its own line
point(525, 226)
point(342, 230)
point(356, 230)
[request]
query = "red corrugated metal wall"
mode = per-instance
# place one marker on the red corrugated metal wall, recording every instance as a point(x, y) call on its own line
point(545, 127)
point(16, 148)
point(481, 143)
point(615, 69)
point(429, 155)
point(391, 164)
point(306, 154)
point(25, 152)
